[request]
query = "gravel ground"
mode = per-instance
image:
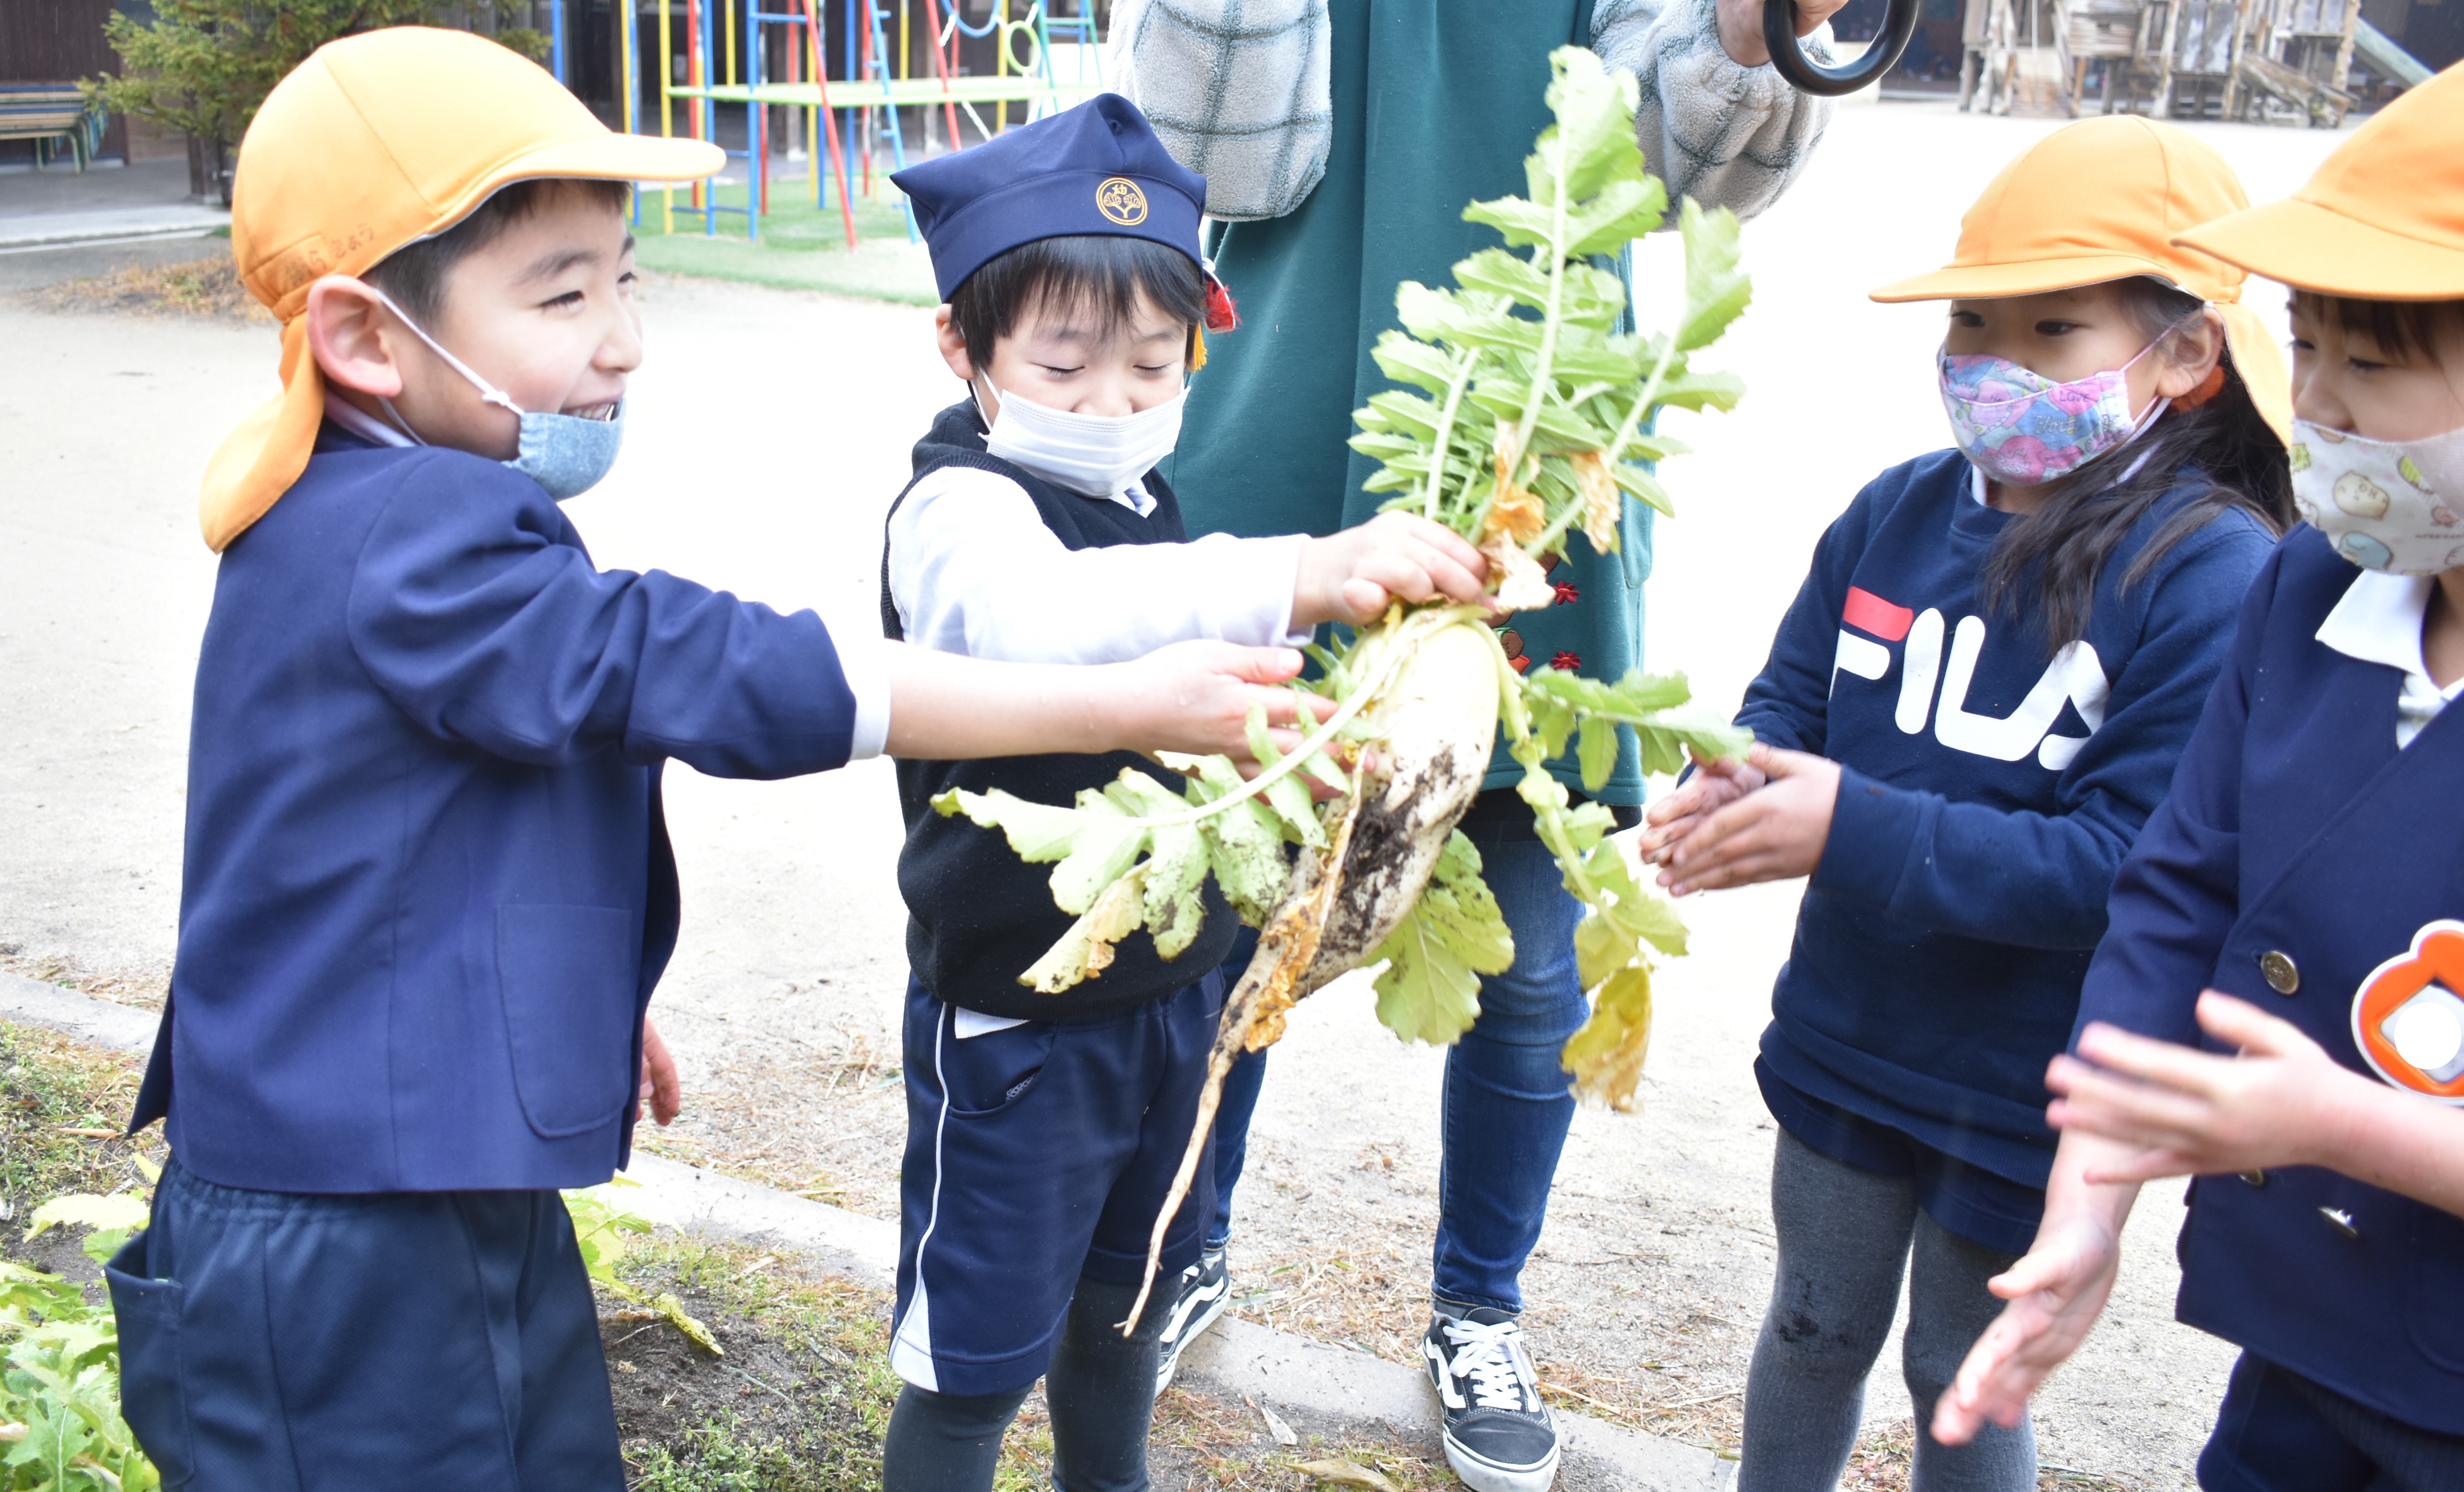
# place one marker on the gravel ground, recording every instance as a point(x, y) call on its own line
point(770, 433)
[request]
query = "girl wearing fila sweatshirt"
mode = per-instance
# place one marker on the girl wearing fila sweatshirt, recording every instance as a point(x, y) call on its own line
point(1973, 706)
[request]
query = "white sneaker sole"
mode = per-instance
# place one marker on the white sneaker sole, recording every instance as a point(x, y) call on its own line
point(1482, 1475)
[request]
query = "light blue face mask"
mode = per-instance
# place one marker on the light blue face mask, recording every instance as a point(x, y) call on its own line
point(565, 453)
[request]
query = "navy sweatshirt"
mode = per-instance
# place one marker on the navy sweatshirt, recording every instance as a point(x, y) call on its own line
point(1989, 791)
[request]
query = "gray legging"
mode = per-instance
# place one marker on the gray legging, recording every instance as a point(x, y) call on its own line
point(1846, 1236)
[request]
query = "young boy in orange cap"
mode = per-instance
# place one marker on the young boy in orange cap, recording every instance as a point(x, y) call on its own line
point(2278, 1006)
point(428, 887)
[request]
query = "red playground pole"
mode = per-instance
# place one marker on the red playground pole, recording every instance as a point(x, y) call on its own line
point(830, 126)
point(941, 66)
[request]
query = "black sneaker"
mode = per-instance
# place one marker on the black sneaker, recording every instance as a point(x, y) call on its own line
point(1205, 1290)
point(1499, 1435)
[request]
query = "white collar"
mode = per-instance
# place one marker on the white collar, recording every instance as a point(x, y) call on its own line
point(361, 423)
point(2379, 620)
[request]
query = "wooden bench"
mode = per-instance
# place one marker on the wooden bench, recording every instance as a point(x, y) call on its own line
point(52, 115)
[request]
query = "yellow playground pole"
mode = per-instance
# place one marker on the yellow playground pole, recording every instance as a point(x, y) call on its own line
point(667, 117)
point(727, 23)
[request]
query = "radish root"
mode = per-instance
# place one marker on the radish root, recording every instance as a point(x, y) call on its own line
point(1253, 1018)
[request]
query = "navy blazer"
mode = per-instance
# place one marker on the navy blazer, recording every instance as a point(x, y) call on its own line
point(2299, 854)
point(427, 882)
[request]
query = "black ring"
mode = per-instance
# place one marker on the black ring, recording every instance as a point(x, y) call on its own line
point(1899, 19)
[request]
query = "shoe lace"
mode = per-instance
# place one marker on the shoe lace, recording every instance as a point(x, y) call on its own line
point(1489, 1355)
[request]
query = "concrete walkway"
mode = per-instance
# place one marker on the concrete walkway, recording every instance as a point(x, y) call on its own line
point(62, 225)
point(1314, 1384)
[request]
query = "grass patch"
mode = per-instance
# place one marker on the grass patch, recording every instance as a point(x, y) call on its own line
point(50, 1089)
point(193, 287)
point(798, 1403)
point(802, 247)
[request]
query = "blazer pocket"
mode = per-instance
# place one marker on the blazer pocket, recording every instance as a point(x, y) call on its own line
point(570, 979)
point(153, 1399)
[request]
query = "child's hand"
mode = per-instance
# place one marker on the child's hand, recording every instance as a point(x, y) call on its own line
point(1195, 697)
point(2186, 1112)
point(2056, 1292)
point(661, 1087)
point(1715, 784)
point(1354, 575)
point(1771, 835)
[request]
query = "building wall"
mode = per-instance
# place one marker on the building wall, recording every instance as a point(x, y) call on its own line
point(55, 41)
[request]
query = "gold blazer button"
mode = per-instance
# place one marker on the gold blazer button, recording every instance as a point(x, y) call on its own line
point(2341, 1220)
point(2283, 975)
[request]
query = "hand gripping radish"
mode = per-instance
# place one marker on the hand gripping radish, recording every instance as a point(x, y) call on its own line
point(1524, 413)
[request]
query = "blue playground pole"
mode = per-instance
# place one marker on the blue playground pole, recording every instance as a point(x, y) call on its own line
point(556, 40)
point(757, 120)
point(632, 114)
point(854, 76)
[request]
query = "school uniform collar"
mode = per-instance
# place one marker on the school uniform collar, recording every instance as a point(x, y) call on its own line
point(361, 423)
point(2379, 620)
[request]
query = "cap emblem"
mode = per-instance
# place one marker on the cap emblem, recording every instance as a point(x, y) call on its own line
point(1120, 200)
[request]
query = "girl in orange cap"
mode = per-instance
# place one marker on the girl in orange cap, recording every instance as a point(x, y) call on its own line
point(1975, 702)
point(2307, 875)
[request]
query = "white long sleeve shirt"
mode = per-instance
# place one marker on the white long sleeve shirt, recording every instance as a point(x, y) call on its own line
point(973, 569)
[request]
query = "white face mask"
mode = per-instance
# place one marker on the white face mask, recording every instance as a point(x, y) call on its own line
point(2385, 505)
point(1096, 456)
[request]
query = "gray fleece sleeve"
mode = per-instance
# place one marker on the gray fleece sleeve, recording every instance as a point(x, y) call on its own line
point(1725, 135)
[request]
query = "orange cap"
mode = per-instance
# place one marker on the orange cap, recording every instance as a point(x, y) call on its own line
point(375, 141)
point(2381, 219)
point(2104, 199)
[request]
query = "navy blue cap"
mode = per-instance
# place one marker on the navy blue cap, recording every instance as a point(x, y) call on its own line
point(1096, 169)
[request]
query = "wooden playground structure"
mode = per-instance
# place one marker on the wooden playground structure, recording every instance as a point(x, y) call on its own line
point(2275, 60)
point(775, 55)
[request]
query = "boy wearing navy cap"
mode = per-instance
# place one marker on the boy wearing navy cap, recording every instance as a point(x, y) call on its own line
point(1043, 1130)
point(427, 890)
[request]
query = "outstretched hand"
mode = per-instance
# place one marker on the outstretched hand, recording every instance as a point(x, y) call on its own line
point(1195, 696)
point(1766, 818)
point(2056, 1294)
point(2186, 1112)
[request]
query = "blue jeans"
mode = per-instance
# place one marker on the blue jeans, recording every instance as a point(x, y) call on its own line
point(1507, 1102)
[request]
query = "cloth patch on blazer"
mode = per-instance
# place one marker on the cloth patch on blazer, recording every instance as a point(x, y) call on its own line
point(2408, 1017)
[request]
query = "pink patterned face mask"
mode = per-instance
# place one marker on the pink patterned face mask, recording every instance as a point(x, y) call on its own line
point(2023, 429)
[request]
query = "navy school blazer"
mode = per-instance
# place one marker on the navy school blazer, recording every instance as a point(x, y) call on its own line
point(2298, 864)
point(428, 887)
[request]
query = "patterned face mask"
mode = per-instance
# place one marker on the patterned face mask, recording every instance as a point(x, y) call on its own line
point(2023, 429)
point(2385, 505)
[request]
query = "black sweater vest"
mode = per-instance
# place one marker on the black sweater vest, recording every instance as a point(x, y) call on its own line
point(978, 915)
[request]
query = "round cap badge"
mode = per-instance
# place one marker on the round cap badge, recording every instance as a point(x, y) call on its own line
point(1119, 200)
